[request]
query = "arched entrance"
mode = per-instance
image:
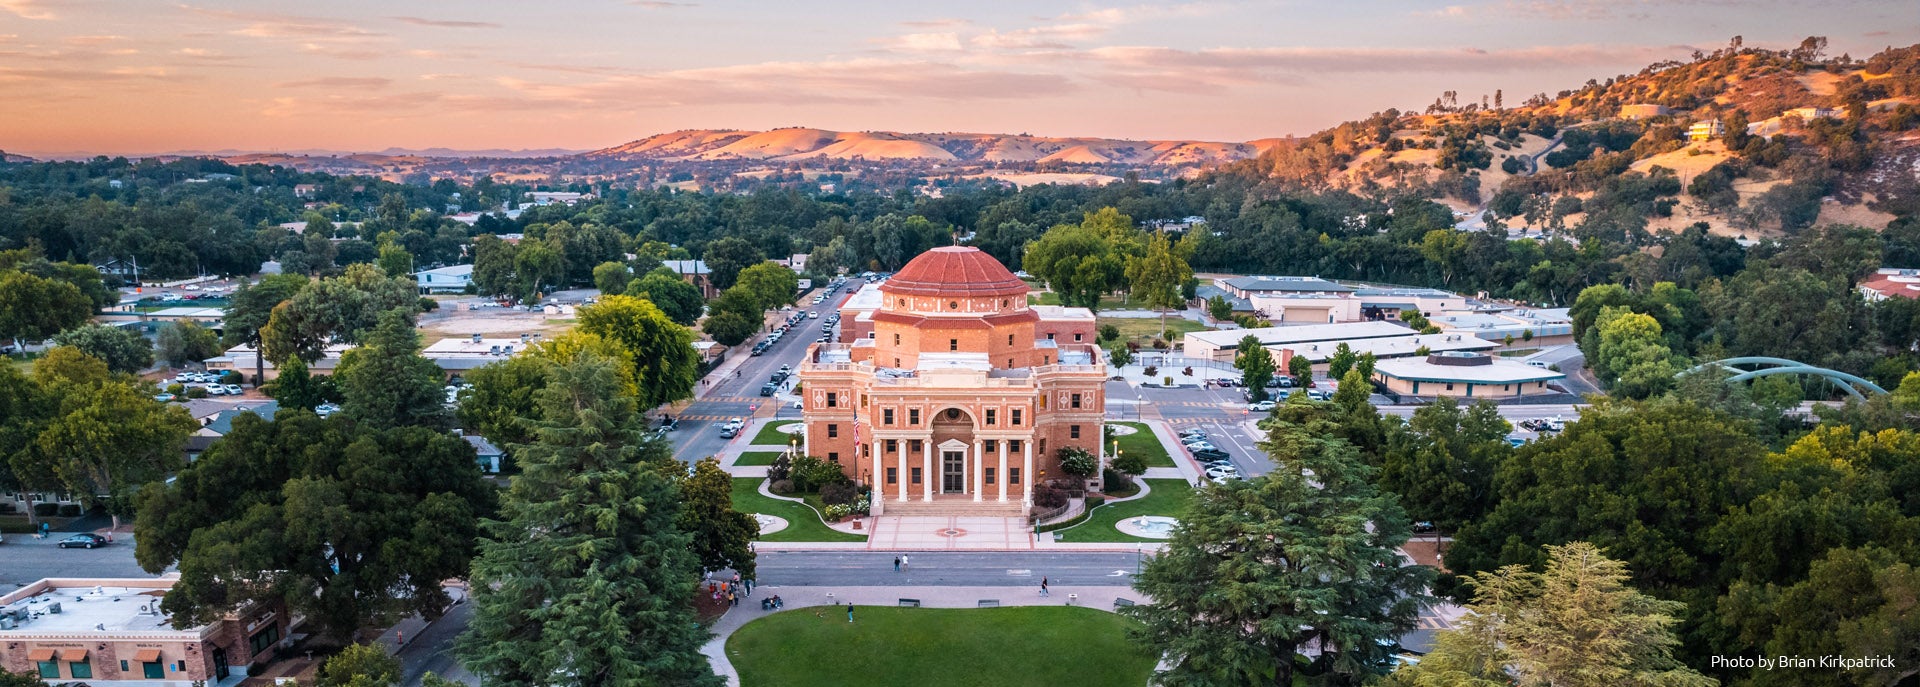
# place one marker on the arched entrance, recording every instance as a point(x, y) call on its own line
point(953, 431)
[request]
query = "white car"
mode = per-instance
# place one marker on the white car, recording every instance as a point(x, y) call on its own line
point(233, 389)
point(216, 390)
point(1261, 407)
point(736, 423)
point(326, 409)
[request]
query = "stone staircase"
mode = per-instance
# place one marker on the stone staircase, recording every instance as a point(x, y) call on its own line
point(964, 507)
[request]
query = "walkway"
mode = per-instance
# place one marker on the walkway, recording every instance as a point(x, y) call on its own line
point(949, 533)
point(929, 597)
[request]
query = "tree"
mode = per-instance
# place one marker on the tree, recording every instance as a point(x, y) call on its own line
point(252, 307)
point(1078, 462)
point(1122, 356)
point(1157, 277)
point(494, 263)
point(673, 295)
point(360, 665)
point(295, 387)
point(1577, 623)
point(1442, 461)
point(1255, 364)
point(395, 261)
point(1853, 602)
point(1296, 571)
point(768, 284)
point(733, 317)
point(587, 577)
point(349, 526)
point(1218, 308)
point(725, 259)
point(123, 350)
point(502, 395)
point(722, 537)
point(1342, 360)
point(33, 308)
point(537, 269)
point(12, 679)
point(1301, 369)
point(185, 341)
point(28, 405)
point(386, 383)
point(1129, 465)
point(110, 437)
point(659, 352)
point(338, 309)
point(1365, 365)
point(1632, 355)
point(611, 277)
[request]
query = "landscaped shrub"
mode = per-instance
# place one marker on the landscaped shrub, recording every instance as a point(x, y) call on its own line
point(231, 377)
point(1049, 497)
point(781, 486)
point(45, 510)
point(1109, 332)
point(780, 469)
point(810, 473)
point(1078, 462)
point(196, 392)
point(176, 389)
point(69, 510)
point(838, 511)
point(838, 494)
point(1151, 370)
point(1115, 482)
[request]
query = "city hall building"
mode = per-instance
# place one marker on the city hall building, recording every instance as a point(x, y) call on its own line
point(960, 398)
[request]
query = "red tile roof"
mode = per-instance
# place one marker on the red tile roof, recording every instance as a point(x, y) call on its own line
point(954, 271)
point(1887, 285)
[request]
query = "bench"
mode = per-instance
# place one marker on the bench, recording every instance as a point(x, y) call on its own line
point(913, 603)
point(1122, 602)
point(989, 603)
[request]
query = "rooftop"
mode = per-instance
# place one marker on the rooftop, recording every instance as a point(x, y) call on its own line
point(115, 606)
point(1281, 336)
point(449, 271)
point(955, 271)
point(177, 313)
point(1061, 312)
point(1258, 283)
point(467, 347)
point(1394, 346)
point(1496, 371)
point(221, 423)
point(867, 298)
point(687, 266)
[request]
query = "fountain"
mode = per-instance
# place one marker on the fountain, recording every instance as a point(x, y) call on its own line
point(1148, 526)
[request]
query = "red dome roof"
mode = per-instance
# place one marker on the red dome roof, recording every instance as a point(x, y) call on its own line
point(955, 271)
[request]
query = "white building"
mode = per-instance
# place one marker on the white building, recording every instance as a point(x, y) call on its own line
point(450, 279)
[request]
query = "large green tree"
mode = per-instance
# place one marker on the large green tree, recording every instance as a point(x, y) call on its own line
point(184, 341)
point(659, 353)
point(337, 309)
point(612, 277)
point(1632, 356)
point(722, 537)
point(769, 284)
point(1442, 461)
point(361, 665)
point(252, 307)
point(349, 526)
point(109, 437)
point(680, 300)
point(587, 579)
point(386, 383)
point(494, 263)
point(1291, 574)
point(727, 257)
point(1082, 262)
point(1157, 276)
point(1255, 364)
point(124, 350)
point(33, 308)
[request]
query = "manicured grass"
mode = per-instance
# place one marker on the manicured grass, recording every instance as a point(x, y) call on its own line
point(1145, 329)
point(1042, 646)
point(757, 458)
point(803, 524)
point(1142, 443)
point(771, 435)
point(1169, 498)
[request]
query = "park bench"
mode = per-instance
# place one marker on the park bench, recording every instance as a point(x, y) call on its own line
point(1122, 602)
point(914, 603)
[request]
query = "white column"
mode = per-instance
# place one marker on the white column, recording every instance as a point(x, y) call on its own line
point(903, 468)
point(979, 459)
point(926, 470)
point(1001, 476)
point(1026, 476)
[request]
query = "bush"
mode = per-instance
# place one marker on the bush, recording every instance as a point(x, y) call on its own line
point(1151, 370)
point(1131, 464)
point(1114, 481)
point(1049, 497)
point(838, 494)
point(1109, 332)
point(196, 392)
point(1159, 343)
point(45, 510)
point(6, 507)
point(839, 511)
point(780, 469)
point(1187, 371)
point(69, 510)
point(176, 389)
point(231, 377)
point(781, 486)
point(1078, 462)
point(810, 473)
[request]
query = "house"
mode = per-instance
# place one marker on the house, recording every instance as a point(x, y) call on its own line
point(127, 271)
point(1811, 113)
point(1707, 130)
point(797, 262)
point(113, 632)
point(1639, 111)
point(1891, 282)
point(220, 423)
point(450, 279)
point(695, 272)
point(564, 197)
point(484, 451)
point(241, 359)
point(305, 190)
point(1461, 374)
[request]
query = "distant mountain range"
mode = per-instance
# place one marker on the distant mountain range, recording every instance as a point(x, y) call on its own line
point(798, 144)
point(449, 153)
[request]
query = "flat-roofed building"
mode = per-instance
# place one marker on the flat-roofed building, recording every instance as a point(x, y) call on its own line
point(113, 632)
point(1541, 327)
point(1463, 375)
point(449, 279)
point(856, 314)
point(1222, 345)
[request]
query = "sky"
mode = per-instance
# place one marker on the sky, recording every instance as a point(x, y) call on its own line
point(148, 76)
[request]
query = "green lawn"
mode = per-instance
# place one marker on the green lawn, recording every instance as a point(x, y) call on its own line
point(803, 524)
point(1169, 498)
point(757, 458)
point(1042, 646)
point(1143, 330)
point(1143, 443)
point(771, 435)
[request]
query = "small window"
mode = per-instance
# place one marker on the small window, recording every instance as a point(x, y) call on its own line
point(896, 339)
point(913, 418)
point(913, 446)
point(833, 400)
point(1049, 336)
point(953, 305)
point(989, 445)
point(50, 669)
point(833, 431)
point(1009, 339)
point(893, 446)
point(953, 344)
point(1449, 386)
point(1016, 417)
point(1076, 336)
point(80, 669)
point(893, 475)
point(1075, 400)
point(886, 416)
point(902, 302)
point(915, 472)
point(990, 476)
point(1013, 445)
point(833, 457)
point(1073, 431)
point(1043, 401)
point(896, 362)
point(1003, 302)
point(1013, 475)
point(1046, 360)
point(989, 417)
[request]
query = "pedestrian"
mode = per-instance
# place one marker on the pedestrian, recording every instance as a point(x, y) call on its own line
point(849, 611)
point(904, 561)
point(1043, 586)
point(896, 564)
point(732, 600)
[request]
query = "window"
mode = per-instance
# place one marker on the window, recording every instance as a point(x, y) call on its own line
point(262, 639)
point(893, 475)
point(989, 446)
point(1076, 336)
point(1009, 339)
point(1013, 475)
point(833, 457)
point(990, 476)
point(1075, 400)
point(913, 417)
point(913, 446)
point(896, 362)
point(896, 339)
point(1449, 386)
point(953, 344)
point(1073, 431)
point(953, 305)
point(893, 446)
point(990, 417)
point(1046, 360)
point(833, 430)
point(80, 669)
point(886, 416)
point(902, 302)
point(833, 400)
point(1049, 336)
point(1016, 417)
point(1043, 401)
point(1013, 445)
point(915, 472)
point(1003, 302)
point(50, 668)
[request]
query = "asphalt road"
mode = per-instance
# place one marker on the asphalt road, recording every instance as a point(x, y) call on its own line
point(432, 650)
point(24, 560)
point(941, 568)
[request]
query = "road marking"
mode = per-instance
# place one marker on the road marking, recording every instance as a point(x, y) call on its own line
point(1119, 573)
point(1020, 573)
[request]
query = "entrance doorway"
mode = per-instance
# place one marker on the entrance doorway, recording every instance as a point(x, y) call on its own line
point(953, 472)
point(220, 668)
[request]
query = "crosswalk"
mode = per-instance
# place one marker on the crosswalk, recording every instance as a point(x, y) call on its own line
point(707, 418)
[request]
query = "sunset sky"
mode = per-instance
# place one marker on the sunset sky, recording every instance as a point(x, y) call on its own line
point(143, 76)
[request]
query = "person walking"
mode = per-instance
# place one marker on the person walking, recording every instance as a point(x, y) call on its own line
point(732, 599)
point(1043, 586)
point(896, 564)
point(849, 611)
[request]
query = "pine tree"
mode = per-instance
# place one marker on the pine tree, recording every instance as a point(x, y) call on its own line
point(1295, 572)
point(588, 579)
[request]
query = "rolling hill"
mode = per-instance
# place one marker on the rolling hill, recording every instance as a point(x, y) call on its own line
point(797, 144)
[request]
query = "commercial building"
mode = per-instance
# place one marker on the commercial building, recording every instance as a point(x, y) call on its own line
point(856, 315)
point(1222, 345)
point(113, 632)
point(1533, 327)
point(958, 401)
point(1312, 300)
point(1463, 375)
point(450, 279)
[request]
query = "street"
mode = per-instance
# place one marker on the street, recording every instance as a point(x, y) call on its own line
point(940, 568)
point(24, 560)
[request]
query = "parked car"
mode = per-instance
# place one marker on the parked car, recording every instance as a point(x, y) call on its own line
point(729, 432)
point(216, 390)
point(234, 390)
point(768, 388)
point(1222, 471)
point(326, 409)
point(163, 398)
point(1423, 527)
point(668, 423)
point(1201, 446)
point(1215, 455)
point(84, 540)
point(1261, 407)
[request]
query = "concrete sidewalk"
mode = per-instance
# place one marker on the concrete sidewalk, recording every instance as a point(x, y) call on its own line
point(820, 598)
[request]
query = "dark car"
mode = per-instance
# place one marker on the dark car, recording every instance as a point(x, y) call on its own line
point(1211, 455)
point(768, 389)
point(83, 541)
